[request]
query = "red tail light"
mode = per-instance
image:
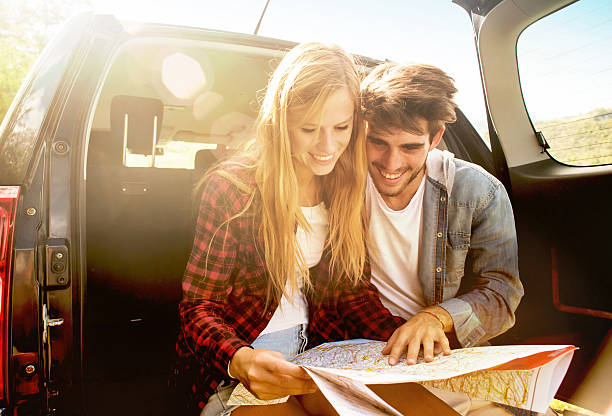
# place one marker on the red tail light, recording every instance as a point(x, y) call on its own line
point(8, 207)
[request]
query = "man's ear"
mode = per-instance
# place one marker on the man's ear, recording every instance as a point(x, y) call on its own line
point(436, 139)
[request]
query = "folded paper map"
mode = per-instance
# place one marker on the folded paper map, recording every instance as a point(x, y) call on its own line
point(524, 376)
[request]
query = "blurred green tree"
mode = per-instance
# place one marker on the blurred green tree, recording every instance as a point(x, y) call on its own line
point(25, 28)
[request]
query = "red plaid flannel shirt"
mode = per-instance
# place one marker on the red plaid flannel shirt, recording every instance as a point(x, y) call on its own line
point(224, 291)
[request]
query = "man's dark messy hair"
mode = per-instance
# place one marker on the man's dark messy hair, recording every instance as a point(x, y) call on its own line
point(396, 97)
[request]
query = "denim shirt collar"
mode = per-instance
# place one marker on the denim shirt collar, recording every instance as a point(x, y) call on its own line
point(441, 169)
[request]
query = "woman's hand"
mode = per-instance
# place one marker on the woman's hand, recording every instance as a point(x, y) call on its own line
point(268, 375)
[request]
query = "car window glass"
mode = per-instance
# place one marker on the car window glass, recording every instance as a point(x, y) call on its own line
point(565, 67)
point(176, 104)
point(18, 139)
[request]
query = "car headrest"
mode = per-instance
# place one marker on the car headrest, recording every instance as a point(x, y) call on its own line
point(141, 118)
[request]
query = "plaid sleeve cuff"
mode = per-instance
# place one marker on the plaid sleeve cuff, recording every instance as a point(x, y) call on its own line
point(226, 351)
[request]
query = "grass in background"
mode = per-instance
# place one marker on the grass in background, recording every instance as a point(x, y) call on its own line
point(582, 140)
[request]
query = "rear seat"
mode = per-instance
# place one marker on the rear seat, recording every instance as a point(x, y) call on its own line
point(139, 235)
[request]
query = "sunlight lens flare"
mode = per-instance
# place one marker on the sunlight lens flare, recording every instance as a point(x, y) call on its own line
point(182, 75)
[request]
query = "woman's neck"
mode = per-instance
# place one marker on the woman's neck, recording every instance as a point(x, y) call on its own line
point(309, 189)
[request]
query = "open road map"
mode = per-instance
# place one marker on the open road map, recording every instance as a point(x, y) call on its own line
point(525, 376)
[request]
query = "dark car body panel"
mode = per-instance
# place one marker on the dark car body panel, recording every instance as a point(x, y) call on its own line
point(562, 212)
point(46, 126)
point(564, 227)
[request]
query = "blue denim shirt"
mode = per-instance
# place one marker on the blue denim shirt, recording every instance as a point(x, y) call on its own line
point(468, 229)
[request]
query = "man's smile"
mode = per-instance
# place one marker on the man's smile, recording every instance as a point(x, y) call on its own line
point(391, 177)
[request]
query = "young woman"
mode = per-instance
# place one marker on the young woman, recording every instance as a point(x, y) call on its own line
point(279, 256)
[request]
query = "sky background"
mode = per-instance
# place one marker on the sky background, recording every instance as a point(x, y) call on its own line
point(565, 60)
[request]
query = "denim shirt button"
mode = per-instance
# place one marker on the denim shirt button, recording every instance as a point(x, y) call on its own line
point(443, 198)
point(438, 269)
point(439, 235)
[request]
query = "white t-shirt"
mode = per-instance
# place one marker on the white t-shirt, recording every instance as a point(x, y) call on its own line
point(394, 242)
point(294, 310)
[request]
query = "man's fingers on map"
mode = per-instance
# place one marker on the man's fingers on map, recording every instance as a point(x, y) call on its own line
point(413, 350)
point(399, 346)
point(396, 346)
point(439, 347)
point(428, 346)
point(390, 343)
point(444, 346)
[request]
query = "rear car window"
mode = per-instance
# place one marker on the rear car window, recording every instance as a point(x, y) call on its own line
point(177, 104)
point(565, 67)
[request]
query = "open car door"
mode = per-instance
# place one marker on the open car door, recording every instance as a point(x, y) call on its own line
point(548, 92)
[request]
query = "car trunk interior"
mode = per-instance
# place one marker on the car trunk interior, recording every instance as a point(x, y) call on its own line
point(153, 136)
point(151, 140)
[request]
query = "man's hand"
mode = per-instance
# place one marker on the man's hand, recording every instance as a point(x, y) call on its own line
point(268, 375)
point(423, 329)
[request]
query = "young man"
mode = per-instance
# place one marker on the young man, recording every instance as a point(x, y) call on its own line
point(442, 240)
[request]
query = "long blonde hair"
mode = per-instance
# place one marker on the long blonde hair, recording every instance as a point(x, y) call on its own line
point(307, 75)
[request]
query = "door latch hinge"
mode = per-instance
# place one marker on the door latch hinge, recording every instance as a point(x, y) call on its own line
point(49, 322)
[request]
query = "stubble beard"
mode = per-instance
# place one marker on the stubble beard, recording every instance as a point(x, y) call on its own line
point(413, 176)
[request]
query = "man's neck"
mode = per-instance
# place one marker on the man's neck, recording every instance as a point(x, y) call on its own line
point(401, 201)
